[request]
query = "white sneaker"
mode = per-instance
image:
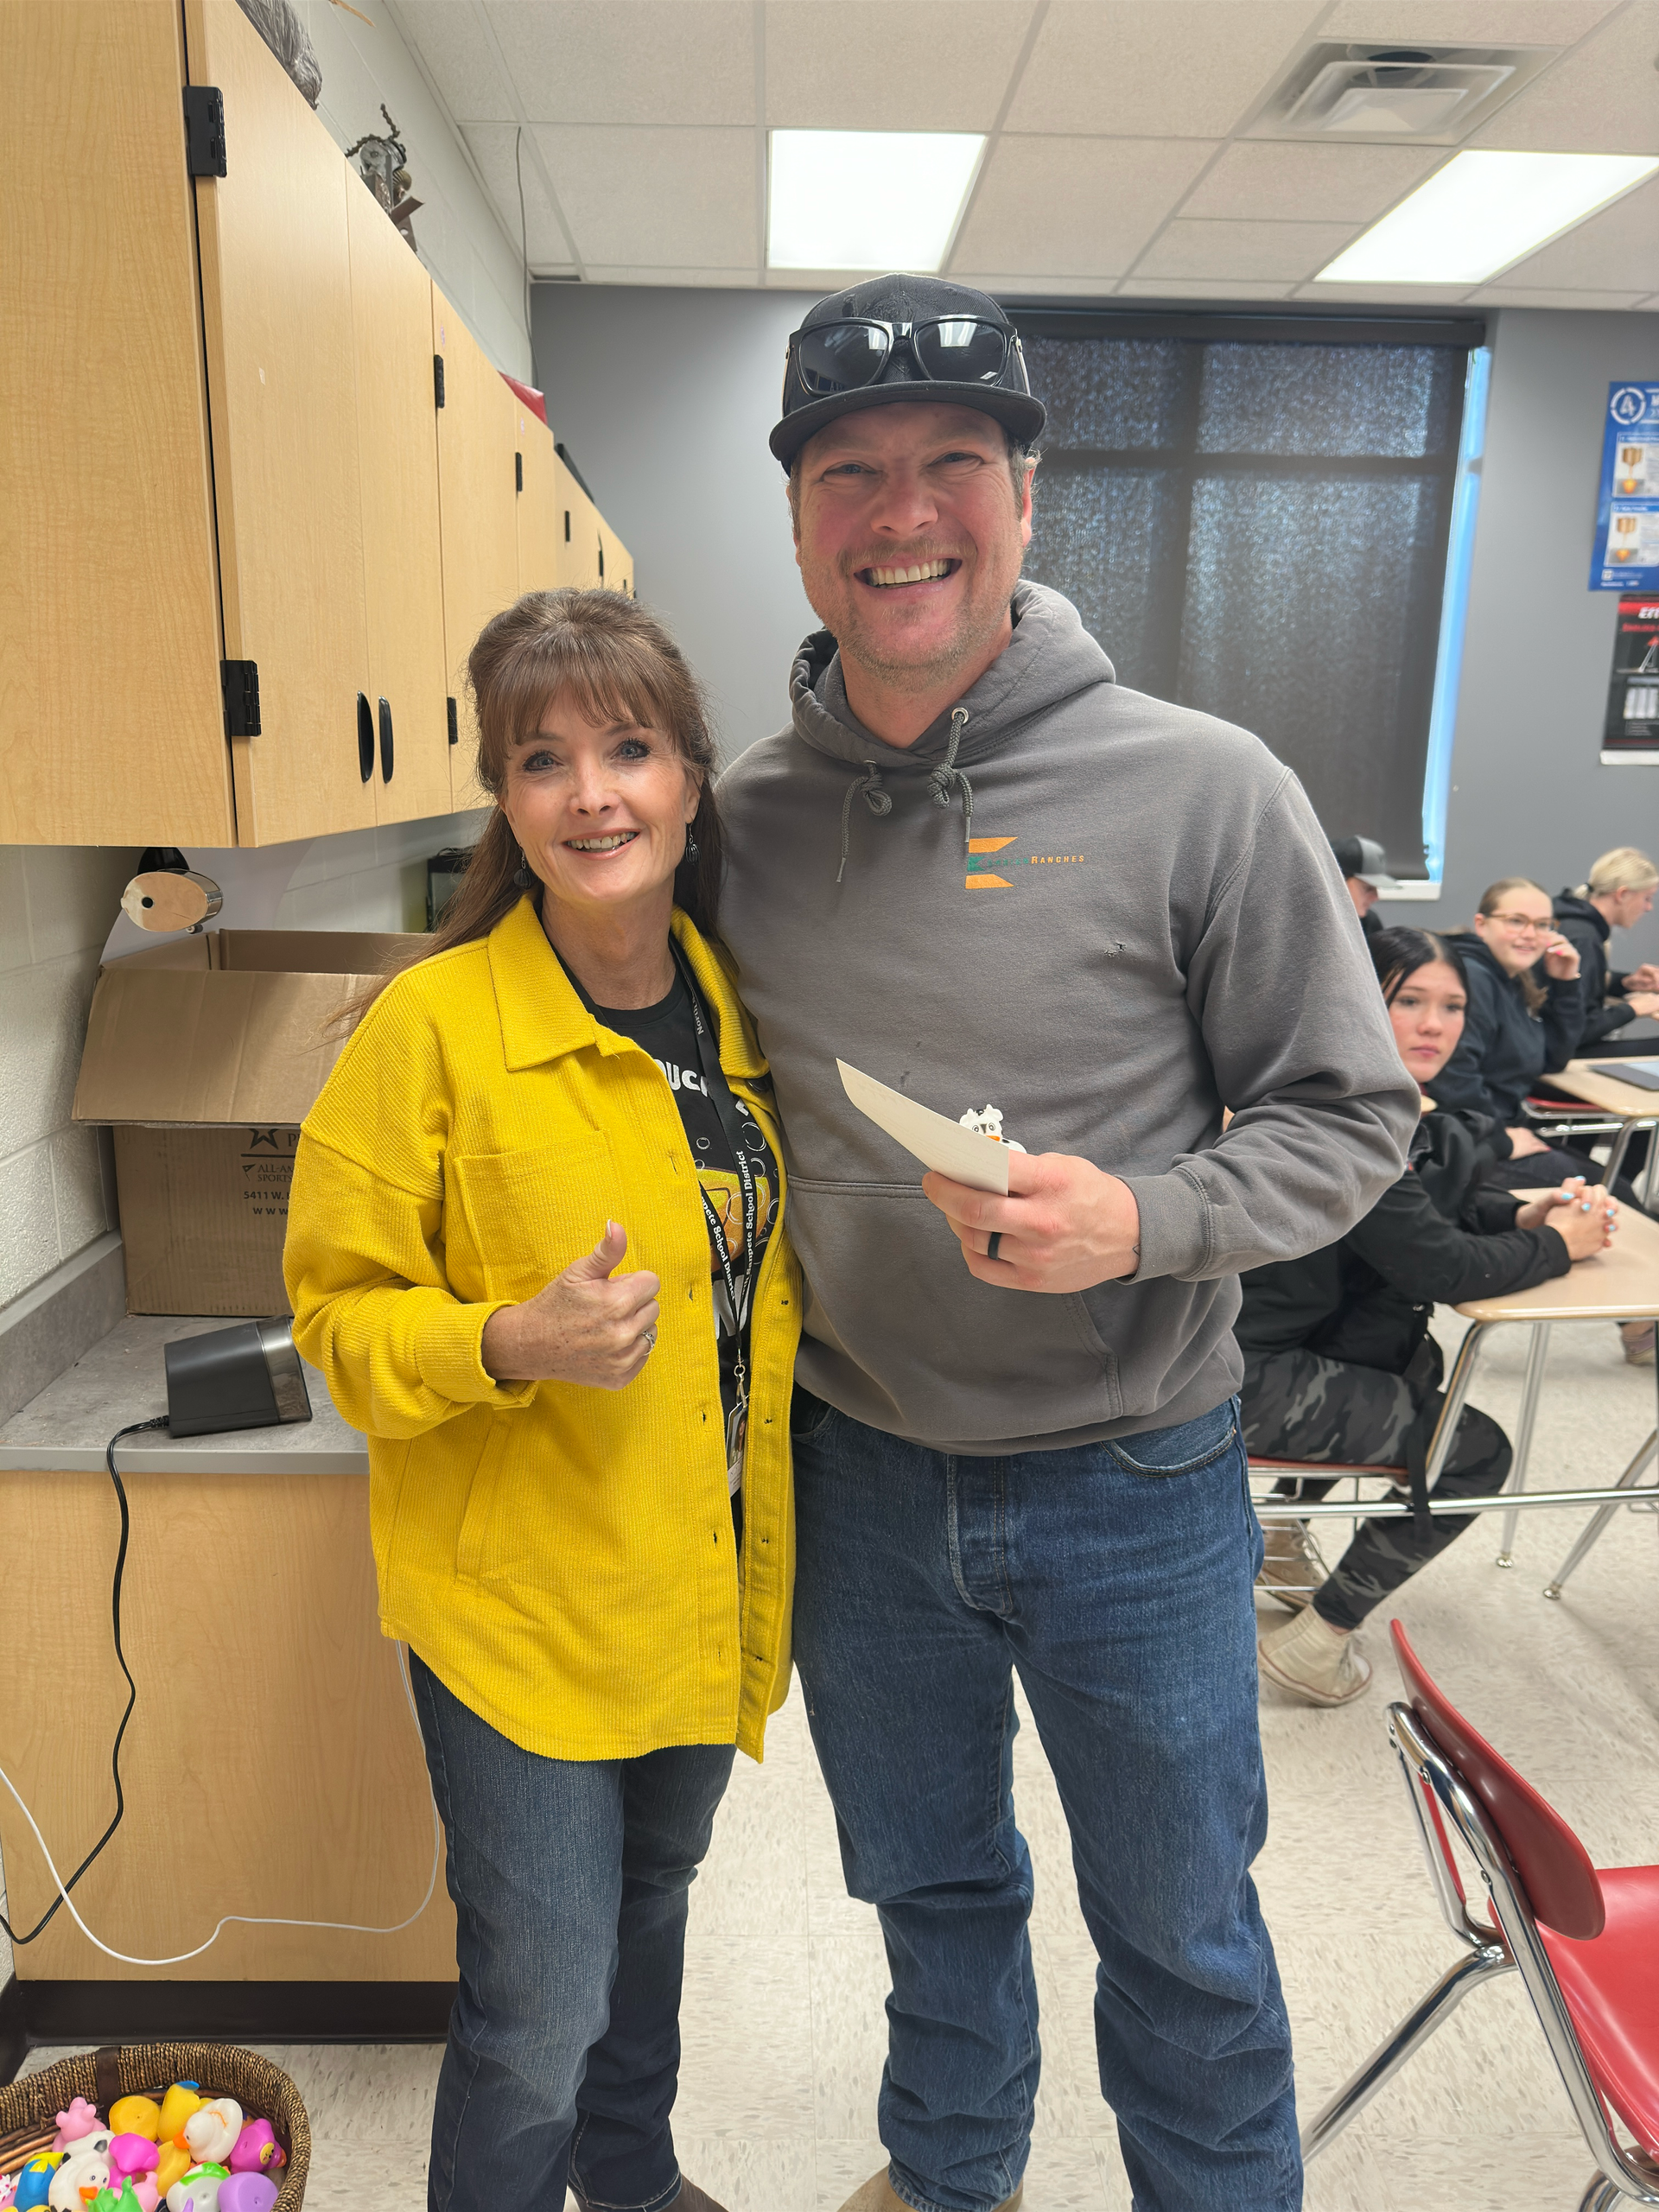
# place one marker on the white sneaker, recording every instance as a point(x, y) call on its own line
point(1636, 1337)
point(1313, 1661)
point(1292, 1569)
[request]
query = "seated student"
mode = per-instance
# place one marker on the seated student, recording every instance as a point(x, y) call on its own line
point(1338, 1362)
point(1365, 867)
point(1619, 893)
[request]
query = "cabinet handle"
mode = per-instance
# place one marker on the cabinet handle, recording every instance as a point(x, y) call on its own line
point(365, 738)
point(386, 759)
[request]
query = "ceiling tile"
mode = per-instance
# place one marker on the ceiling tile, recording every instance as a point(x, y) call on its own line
point(1259, 181)
point(1466, 22)
point(1156, 68)
point(493, 149)
point(1169, 288)
point(1617, 251)
point(1293, 251)
point(1020, 285)
point(655, 199)
point(460, 57)
point(1074, 207)
point(1385, 296)
point(1499, 295)
point(1601, 99)
point(630, 61)
point(923, 65)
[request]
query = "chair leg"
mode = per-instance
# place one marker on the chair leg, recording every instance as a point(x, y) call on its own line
point(1397, 2046)
point(1602, 2195)
point(1598, 1522)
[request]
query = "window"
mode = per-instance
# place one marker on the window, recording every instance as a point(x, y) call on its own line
point(1253, 519)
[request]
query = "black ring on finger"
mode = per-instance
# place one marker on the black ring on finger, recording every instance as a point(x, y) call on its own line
point(995, 1239)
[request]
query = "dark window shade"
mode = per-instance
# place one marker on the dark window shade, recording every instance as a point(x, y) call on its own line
point(1257, 528)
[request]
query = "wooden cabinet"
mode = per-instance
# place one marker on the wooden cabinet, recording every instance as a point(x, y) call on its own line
point(478, 499)
point(616, 563)
point(238, 517)
point(398, 473)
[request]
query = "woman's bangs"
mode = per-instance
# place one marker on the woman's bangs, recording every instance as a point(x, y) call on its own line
point(605, 680)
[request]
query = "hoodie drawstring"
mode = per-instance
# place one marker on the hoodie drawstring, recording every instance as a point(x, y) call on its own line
point(948, 777)
point(878, 800)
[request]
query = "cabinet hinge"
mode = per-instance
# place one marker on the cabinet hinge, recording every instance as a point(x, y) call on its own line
point(204, 130)
point(454, 726)
point(437, 379)
point(239, 681)
point(517, 472)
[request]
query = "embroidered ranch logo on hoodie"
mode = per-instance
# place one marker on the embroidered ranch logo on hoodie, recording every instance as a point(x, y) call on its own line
point(983, 880)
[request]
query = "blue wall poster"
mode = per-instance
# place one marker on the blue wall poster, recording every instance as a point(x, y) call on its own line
point(1626, 556)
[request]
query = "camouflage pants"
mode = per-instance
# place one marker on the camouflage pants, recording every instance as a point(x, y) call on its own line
point(1300, 1407)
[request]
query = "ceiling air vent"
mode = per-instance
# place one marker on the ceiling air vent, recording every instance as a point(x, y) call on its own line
point(1384, 93)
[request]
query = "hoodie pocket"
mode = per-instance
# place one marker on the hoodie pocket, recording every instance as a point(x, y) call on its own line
point(943, 1355)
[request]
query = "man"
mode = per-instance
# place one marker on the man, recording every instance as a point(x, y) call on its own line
point(1619, 895)
point(978, 869)
point(1365, 873)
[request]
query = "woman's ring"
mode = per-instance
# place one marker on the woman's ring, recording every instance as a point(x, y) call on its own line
point(995, 1239)
point(650, 1341)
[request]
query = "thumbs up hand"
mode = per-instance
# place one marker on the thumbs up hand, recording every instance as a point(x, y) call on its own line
point(588, 1326)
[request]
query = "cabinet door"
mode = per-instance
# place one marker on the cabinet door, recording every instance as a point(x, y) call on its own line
point(477, 508)
point(619, 561)
point(579, 540)
point(540, 516)
point(276, 288)
point(111, 725)
point(398, 469)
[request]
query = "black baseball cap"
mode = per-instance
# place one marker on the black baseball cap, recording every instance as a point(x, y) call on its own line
point(890, 338)
point(1365, 858)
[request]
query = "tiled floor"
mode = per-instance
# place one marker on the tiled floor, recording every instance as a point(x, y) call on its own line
point(784, 1975)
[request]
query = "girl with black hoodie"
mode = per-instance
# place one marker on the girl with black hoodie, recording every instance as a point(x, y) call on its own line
point(1338, 1362)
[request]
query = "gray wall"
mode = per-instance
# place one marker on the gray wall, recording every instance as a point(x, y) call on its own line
point(666, 396)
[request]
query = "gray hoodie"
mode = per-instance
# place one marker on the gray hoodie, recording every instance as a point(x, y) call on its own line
point(1107, 918)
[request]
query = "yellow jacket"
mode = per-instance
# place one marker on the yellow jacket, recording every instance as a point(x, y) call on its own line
point(561, 1557)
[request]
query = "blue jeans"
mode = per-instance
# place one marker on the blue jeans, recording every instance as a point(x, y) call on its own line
point(1117, 1578)
point(569, 1879)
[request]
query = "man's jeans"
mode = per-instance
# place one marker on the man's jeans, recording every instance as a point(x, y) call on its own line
point(1117, 1578)
point(569, 1879)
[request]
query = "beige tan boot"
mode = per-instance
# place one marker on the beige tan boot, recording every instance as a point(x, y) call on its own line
point(1313, 1661)
point(877, 2194)
point(1292, 1569)
point(1636, 1336)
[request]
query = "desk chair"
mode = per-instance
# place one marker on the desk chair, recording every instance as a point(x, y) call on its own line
point(1267, 1465)
point(1585, 1942)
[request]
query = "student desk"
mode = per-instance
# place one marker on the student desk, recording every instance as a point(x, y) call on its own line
point(1621, 1284)
point(1626, 1102)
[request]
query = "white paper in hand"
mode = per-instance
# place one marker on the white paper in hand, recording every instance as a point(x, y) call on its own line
point(963, 1154)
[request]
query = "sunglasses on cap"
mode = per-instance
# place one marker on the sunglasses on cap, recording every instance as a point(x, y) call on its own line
point(854, 352)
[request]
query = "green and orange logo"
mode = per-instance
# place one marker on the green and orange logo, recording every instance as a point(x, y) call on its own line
point(985, 879)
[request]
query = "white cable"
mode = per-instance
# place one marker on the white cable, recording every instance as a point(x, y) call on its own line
point(246, 1919)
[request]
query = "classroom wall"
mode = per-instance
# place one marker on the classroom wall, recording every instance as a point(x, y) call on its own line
point(665, 397)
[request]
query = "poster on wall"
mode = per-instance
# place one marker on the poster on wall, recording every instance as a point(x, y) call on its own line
point(1631, 730)
point(1626, 556)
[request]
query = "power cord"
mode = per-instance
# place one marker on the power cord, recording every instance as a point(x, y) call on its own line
point(242, 1919)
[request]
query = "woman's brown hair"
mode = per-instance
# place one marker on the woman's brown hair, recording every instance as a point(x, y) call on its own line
point(616, 663)
point(1491, 902)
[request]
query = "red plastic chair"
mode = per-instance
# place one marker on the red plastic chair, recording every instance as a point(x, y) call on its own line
point(1585, 1941)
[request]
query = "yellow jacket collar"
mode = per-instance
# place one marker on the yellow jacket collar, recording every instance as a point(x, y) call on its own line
point(542, 1015)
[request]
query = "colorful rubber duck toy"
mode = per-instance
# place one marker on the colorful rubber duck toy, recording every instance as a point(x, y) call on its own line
point(136, 2116)
point(198, 2190)
point(84, 2170)
point(184, 2099)
point(211, 2131)
point(8, 2192)
point(36, 2179)
point(135, 2158)
point(77, 2124)
point(247, 2193)
point(257, 2151)
point(107, 2200)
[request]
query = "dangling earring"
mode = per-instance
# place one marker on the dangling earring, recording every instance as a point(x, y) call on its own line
point(692, 848)
point(521, 875)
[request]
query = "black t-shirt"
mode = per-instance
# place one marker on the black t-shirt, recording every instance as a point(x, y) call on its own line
point(667, 1032)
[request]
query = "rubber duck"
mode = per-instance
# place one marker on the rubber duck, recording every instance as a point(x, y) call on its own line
point(257, 2151)
point(171, 2164)
point(74, 2125)
point(107, 2200)
point(247, 2193)
point(8, 2192)
point(84, 2170)
point(132, 2155)
point(181, 2101)
point(212, 2131)
point(136, 2116)
point(36, 2179)
point(198, 2190)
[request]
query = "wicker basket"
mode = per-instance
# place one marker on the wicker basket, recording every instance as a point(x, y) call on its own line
point(29, 2108)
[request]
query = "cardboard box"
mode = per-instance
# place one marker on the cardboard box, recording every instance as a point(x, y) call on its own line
point(205, 1054)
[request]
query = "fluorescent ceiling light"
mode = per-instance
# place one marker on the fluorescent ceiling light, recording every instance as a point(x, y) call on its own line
point(867, 198)
point(1481, 212)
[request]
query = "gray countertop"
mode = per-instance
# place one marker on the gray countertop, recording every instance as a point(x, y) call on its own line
point(66, 1428)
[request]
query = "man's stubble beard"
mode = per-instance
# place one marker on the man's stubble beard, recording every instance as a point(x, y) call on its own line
point(973, 635)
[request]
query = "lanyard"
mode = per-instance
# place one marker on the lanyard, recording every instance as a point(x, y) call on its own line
point(718, 1092)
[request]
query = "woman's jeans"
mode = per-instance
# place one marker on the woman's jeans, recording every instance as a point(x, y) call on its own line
point(569, 1880)
point(1117, 1579)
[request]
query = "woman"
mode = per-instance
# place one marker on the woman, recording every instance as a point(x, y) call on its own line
point(1618, 894)
point(580, 1486)
point(1338, 1362)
